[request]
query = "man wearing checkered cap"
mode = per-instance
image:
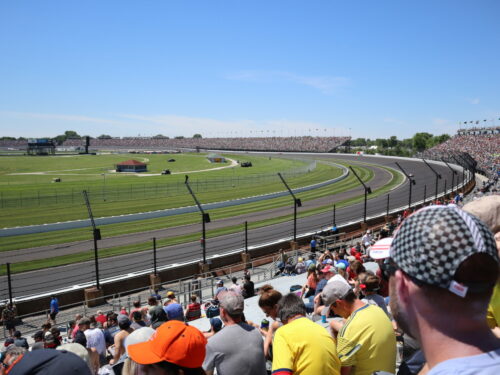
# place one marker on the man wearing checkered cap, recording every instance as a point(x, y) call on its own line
point(442, 270)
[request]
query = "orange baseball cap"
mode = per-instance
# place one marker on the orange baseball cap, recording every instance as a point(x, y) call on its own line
point(173, 342)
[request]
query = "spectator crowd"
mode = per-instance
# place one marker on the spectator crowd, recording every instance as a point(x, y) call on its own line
point(283, 144)
point(427, 284)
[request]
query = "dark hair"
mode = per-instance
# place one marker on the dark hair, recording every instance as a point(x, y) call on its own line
point(137, 304)
point(124, 325)
point(152, 301)
point(350, 297)
point(113, 316)
point(269, 296)
point(357, 267)
point(234, 279)
point(137, 315)
point(247, 277)
point(289, 306)
point(173, 369)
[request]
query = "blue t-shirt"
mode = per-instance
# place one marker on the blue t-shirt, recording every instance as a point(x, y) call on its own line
point(319, 287)
point(54, 306)
point(481, 364)
point(313, 243)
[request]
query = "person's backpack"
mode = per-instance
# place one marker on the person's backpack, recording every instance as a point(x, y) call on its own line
point(212, 311)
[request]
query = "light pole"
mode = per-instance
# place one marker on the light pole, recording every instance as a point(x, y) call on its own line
point(412, 181)
point(205, 218)
point(438, 177)
point(368, 190)
point(96, 232)
point(104, 187)
point(296, 203)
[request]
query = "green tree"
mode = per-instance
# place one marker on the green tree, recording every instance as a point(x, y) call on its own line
point(179, 137)
point(104, 136)
point(420, 141)
point(381, 142)
point(71, 134)
point(393, 141)
point(197, 136)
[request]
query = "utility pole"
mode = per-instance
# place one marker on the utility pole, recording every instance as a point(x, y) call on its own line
point(296, 203)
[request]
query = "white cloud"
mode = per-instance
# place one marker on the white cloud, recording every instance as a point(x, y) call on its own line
point(325, 84)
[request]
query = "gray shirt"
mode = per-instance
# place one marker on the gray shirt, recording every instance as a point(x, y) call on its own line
point(236, 349)
point(481, 364)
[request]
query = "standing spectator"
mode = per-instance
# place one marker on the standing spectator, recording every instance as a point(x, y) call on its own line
point(9, 318)
point(125, 330)
point(20, 341)
point(366, 341)
point(248, 287)
point(237, 348)
point(193, 311)
point(235, 287)
point(443, 299)
point(302, 347)
point(313, 245)
point(366, 240)
point(54, 308)
point(95, 340)
point(112, 328)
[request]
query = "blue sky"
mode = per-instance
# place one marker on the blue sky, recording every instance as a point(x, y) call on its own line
point(242, 68)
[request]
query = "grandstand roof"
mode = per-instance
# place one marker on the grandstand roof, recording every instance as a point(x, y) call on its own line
point(131, 162)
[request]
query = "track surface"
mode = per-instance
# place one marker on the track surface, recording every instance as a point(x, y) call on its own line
point(43, 281)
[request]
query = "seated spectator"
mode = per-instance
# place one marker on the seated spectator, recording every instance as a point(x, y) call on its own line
point(301, 346)
point(237, 348)
point(157, 316)
point(96, 342)
point(175, 349)
point(20, 341)
point(446, 310)
point(220, 288)
point(369, 286)
point(170, 298)
point(38, 341)
point(268, 302)
point(112, 328)
point(366, 341)
point(310, 285)
point(215, 326)
point(137, 321)
point(248, 287)
point(300, 267)
point(49, 341)
point(174, 312)
point(101, 318)
point(54, 362)
point(137, 307)
point(193, 310)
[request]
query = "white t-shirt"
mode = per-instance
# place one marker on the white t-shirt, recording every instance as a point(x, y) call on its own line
point(482, 364)
point(95, 339)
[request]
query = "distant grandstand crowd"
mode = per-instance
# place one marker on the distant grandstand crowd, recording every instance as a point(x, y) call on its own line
point(484, 148)
point(299, 144)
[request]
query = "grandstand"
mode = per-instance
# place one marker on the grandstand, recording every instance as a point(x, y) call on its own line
point(483, 144)
point(280, 144)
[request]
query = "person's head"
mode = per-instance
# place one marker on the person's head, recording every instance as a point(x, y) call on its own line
point(194, 298)
point(247, 277)
point(174, 349)
point(50, 361)
point(137, 304)
point(369, 283)
point(123, 321)
point(268, 300)
point(17, 334)
point(52, 296)
point(137, 316)
point(38, 336)
point(338, 296)
point(46, 327)
point(84, 324)
point(328, 272)
point(357, 267)
point(231, 306)
point(234, 279)
point(152, 301)
point(170, 295)
point(290, 306)
point(112, 319)
point(443, 265)
point(215, 324)
point(219, 283)
point(487, 209)
point(174, 312)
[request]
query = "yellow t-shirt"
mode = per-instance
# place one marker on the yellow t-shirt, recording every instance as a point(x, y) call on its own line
point(367, 342)
point(303, 347)
point(493, 316)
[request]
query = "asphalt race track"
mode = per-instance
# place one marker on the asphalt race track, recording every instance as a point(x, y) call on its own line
point(47, 280)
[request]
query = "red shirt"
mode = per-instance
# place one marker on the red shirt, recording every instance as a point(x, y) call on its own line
point(193, 311)
point(101, 318)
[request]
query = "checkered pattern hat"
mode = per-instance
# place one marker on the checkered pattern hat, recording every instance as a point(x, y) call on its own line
point(431, 244)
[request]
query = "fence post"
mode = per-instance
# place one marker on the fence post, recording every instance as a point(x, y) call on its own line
point(9, 281)
point(154, 256)
point(246, 237)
